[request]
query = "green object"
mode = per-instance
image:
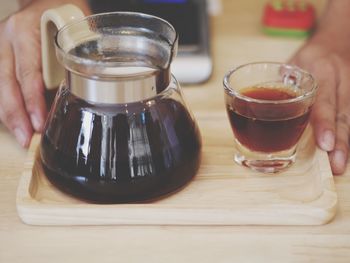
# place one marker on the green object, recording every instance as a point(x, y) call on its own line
point(276, 31)
point(302, 5)
point(277, 5)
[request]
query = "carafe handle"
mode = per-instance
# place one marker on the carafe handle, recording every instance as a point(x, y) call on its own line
point(51, 21)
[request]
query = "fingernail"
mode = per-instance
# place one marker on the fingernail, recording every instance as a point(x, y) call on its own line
point(20, 136)
point(339, 159)
point(327, 141)
point(37, 124)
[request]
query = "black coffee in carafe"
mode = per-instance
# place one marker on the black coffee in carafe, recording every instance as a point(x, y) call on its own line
point(108, 153)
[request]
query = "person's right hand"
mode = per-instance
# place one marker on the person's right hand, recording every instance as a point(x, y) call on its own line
point(22, 101)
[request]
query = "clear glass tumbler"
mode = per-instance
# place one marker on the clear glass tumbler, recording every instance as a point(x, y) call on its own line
point(268, 105)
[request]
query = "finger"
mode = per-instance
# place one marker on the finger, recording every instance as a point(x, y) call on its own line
point(339, 155)
point(12, 111)
point(28, 73)
point(324, 109)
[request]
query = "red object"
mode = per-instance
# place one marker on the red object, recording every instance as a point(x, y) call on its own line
point(289, 15)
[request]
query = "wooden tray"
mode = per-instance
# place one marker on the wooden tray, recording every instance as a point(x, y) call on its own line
point(222, 192)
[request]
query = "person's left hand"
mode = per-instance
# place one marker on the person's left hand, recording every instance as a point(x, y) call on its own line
point(330, 65)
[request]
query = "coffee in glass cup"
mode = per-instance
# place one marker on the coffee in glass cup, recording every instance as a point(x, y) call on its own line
point(268, 105)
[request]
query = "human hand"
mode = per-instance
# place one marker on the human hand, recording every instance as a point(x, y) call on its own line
point(22, 102)
point(329, 62)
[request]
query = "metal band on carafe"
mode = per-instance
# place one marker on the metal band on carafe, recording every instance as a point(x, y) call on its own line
point(120, 90)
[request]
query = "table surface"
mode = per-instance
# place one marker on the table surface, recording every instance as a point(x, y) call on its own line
point(236, 39)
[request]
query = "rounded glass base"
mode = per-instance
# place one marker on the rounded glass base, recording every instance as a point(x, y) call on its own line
point(264, 162)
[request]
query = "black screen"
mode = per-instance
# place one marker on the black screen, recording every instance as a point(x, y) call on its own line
point(182, 14)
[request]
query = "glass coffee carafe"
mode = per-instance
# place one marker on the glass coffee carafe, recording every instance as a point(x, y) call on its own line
point(119, 129)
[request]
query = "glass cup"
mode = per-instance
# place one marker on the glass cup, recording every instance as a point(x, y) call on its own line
point(268, 105)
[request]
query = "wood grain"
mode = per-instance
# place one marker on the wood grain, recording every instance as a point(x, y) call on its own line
point(222, 193)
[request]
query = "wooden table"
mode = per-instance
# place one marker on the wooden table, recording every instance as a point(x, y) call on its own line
point(236, 39)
